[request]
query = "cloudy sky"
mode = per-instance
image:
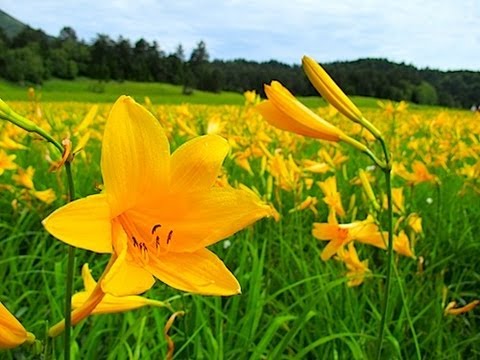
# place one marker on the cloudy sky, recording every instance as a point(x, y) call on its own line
point(441, 34)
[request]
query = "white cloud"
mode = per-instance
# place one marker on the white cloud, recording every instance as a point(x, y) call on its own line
point(439, 34)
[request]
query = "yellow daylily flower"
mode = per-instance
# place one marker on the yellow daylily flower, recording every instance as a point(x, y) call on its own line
point(6, 162)
point(47, 196)
point(109, 304)
point(12, 333)
point(356, 269)
point(418, 175)
point(334, 95)
point(309, 203)
point(415, 222)
point(315, 166)
point(332, 197)
point(329, 89)
point(340, 235)
point(401, 244)
point(8, 143)
point(24, 177)
point(285, 112)
point(398, 201)
point(367, 187)
point(158, 212)
point(452, 309)
point(251, 97)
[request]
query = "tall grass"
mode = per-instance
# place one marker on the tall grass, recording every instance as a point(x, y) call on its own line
point(293, 305)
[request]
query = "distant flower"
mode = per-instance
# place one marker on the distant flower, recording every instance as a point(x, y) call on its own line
point(332, 197)
point(47, 196)
point(340, 235)
point(401, 244)
point(452, 309)
point(6, 162)
point(356, 269)
point(24, 177)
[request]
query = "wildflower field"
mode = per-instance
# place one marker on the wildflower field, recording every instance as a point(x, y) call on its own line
point(312, 269)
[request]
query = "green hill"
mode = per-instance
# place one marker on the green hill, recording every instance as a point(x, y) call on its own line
point(10, 25)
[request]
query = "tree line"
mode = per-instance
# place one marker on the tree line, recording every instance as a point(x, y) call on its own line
point(32, 57)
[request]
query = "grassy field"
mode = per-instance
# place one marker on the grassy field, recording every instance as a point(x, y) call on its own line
point(293, 304)
point(83, 90)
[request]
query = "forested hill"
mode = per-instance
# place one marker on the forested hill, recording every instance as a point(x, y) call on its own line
point(31, 56)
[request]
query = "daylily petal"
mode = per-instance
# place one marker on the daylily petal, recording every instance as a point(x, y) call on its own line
point(331, 249)
point(280, 120)
point(282, 99)
point(83, 223)
point(12, 333)
point(324, 231)
point(125, 277)
point(135, 156)
point(378, 239)
point(201, 219)
point(196, 164)
point(89, 282)
point(200, 272)
point(110, 303)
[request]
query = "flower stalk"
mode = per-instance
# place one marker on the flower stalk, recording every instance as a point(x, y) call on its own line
point(6, 113)
point(77, 315)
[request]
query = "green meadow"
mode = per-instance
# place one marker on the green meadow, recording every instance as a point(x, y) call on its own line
point(293, 305)
point(92, 91)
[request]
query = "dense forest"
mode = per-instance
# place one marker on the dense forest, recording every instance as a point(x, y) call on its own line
point(31, 56)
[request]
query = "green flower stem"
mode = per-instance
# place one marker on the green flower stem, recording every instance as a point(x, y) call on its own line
point(70, 271)
point(30, 126)
point(370, 127)
point(381, 331)
point(6, 113)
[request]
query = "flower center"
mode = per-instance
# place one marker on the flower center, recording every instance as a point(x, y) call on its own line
point(145, 240)
point(342, 234)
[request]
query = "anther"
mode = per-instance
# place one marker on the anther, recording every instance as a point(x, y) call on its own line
point(169, 237)
point(155, 227)
point(135, 243)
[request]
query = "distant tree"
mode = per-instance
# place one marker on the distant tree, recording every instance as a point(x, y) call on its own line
point(24, 65)
point(67, 34)
point(425, 93)
point(124, 55)
point(179, 53)
point(62, 65)
point(100, 57)
point(175, 66)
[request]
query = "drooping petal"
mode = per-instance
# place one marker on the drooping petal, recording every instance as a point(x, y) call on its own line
point(126, 277)
point(12, 333)
point(135, 156)
point(197, 220)
point(110, 303)
point(200, 272)
point(331, 249)
point(83, 223)
point(196, 164)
